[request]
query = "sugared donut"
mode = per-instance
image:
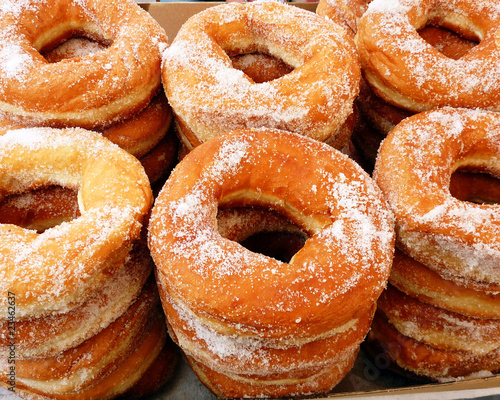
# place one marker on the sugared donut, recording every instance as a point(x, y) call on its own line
point(408, 72)
point(59, 269)
point(333, 280)
point(437, 327)
point(92, 91)
point(384, 116)
point(458, 239)
point(210, 97)
point(415, 279)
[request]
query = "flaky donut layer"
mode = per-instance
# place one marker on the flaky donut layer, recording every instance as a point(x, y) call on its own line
point(458, 239)
point(90, 91)
point(60, 268)
point(210, 97)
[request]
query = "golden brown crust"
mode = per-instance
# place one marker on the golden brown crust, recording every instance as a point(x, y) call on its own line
point(143, 321)
point(210, 97)
point(309, 205)
point(343, 12)
point(232, 386)
point(48, 336)
point(143, 131)
point(91, 91)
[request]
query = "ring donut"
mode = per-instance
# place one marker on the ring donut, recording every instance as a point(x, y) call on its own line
point(114, 196)
point(459, 240)
point(237, 292)
point(408, 72)
point(209, 96)
point(92, 91)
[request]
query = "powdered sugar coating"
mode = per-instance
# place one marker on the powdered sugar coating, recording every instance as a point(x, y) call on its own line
point(456, 238)
point(348, 252)
point(211, 97)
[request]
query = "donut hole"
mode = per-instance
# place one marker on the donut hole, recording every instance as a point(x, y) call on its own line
point(262, 231)
point(40, 209)
point(475, 187)
point(260, 67)
point(75, 46)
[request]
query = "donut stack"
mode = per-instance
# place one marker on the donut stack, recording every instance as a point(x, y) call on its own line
point(248, 324)
point(85, 319)
point(440, 315)
point(75, 77)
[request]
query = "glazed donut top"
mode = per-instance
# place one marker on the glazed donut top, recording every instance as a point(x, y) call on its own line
point(56, 270)
point(90, 91)
point(332, 280)
point(414, 169)
point(212, 97)
point(410, 73)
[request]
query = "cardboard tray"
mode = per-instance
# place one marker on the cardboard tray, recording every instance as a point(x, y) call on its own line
point(370, 378)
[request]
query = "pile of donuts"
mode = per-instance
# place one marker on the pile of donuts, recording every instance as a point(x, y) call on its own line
point(82, 314)
point(320, 130)
point(429, 129)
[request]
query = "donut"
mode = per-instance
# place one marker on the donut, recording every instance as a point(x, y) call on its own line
point(114, 196)
point(209, 96)
point(332, 282)
point(427, 361)
point(437, 327)
point(323, 381)
point(457, 239)
point(416, 280)
point(139, 133)
point(92, 91)
point(408, 72)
